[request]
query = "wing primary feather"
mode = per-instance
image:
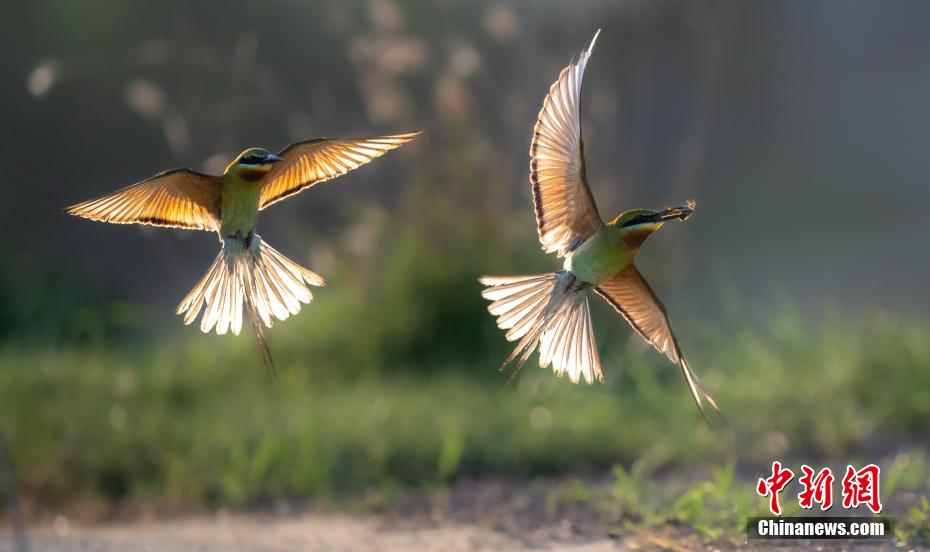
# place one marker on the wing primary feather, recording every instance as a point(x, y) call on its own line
point(308, 163)
point(179, 198)
point(566, 213)
point(633, 298)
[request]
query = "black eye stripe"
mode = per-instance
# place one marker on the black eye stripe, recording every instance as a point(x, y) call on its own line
point(637, 220)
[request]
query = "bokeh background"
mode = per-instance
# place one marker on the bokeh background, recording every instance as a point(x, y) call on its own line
point(798, 288)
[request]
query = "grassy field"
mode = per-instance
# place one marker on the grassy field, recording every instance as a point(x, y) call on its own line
point(199, 424)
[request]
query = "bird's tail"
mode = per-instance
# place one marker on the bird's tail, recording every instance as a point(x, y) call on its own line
point(549, 311)
point(249, 272)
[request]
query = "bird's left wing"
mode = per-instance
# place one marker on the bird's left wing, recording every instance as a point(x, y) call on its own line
point(633, 298)
point(180, 198)
point(307, 163)
point(565, 211)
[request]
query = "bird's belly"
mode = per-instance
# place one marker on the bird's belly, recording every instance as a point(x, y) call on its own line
point(597, 261)
point(238, 221)
point(239, 209)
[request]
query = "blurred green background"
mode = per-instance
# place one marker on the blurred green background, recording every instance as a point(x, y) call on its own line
point(798, 289)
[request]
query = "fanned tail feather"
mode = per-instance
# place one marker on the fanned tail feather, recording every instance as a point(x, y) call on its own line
point(549, 311)
point(248, 271)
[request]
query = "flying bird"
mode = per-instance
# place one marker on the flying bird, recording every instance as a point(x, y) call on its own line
point(550, 311)
point(247, 272)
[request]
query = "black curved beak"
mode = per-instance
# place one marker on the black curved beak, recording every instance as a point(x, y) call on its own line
point(680, 213)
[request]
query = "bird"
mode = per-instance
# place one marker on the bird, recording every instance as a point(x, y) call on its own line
point(247, 273)
point(550, 311)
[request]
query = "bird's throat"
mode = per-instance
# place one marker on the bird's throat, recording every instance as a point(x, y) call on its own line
point(253, 174)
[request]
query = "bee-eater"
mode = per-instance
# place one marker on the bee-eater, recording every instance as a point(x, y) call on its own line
point(247, 271)
point(551, 310)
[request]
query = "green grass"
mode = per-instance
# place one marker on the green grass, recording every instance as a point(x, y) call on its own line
point(223, 433)
point(199, 423)
point(388, 380)
point(716, 505)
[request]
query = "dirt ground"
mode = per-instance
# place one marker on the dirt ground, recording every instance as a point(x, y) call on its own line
point(473, 515)
point(304, 532)
point(261, 533)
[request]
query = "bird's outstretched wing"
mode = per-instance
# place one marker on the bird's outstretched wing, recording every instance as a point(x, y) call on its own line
point(178, 198)
point(307, 163)
point(565, 211)
point(631, 295)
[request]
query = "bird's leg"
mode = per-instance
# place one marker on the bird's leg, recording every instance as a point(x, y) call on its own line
point(245, 241)
point(568, 282)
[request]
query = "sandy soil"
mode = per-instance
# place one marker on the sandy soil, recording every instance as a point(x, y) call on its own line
point(328, 532)
point(304, 532)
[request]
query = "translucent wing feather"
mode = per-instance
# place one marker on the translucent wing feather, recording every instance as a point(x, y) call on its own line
point(565, 211)
point(307, 163)
point(178, 198)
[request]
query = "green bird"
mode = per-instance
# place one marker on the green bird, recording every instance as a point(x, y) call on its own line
point(550, 311)
point(247, 271)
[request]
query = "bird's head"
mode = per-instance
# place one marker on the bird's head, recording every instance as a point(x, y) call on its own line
point(253, 163)
point(636, 225)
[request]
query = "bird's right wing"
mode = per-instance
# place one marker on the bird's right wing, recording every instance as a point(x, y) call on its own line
point(565, 211)
point(179, 198)
point(630, 294)
point(311, 162)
